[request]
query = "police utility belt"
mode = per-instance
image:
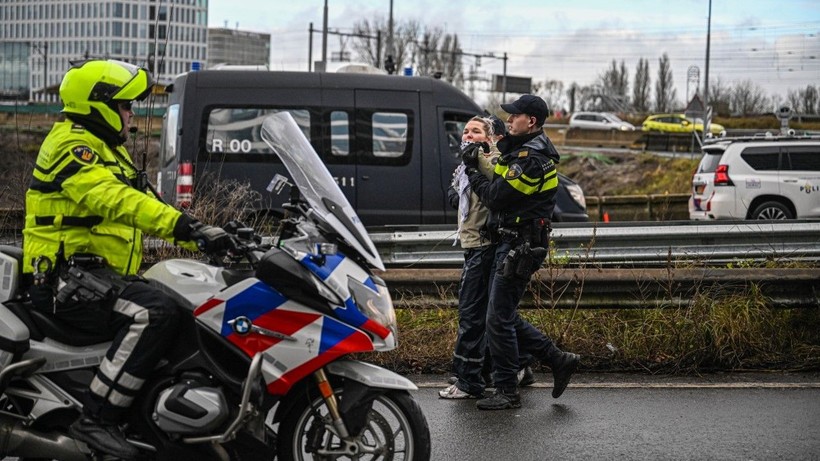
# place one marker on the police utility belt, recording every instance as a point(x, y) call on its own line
point(529, 248)
point(82, 278)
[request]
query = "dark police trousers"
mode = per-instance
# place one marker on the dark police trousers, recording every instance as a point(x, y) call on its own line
point(141, 320)
point(508, 334)
point(471, 342)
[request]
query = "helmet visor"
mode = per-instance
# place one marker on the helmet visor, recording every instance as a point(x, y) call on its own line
point(137, 88)
point(121, 81)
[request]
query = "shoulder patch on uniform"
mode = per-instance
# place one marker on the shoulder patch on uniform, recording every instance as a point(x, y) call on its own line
point(514, 171)
point(84, 154)
point(523, 153)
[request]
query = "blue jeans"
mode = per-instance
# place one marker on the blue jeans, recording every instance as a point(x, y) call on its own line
point(509, 334)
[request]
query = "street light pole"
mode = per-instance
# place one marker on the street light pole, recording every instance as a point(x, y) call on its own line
point(324, 40)
point(708, 41)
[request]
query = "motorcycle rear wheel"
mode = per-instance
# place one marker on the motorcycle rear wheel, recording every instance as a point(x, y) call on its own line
point(396, 430)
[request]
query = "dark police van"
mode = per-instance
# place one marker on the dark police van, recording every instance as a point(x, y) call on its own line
point(390, 142)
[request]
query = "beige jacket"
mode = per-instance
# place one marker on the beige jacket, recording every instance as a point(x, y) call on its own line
point(469, 232)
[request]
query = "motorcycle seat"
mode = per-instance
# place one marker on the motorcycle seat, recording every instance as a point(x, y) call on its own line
point(66, 334)
point(41, 326)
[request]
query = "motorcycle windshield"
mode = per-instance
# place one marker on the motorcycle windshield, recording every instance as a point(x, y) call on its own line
point(316, 185)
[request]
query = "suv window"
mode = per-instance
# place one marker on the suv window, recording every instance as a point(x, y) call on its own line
point(710, 161)
point(761, 158)
point(803, 158)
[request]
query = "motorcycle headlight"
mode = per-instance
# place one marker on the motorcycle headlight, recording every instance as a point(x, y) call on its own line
point(373, 300)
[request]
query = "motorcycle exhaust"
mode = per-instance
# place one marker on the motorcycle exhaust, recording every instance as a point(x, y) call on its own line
point(21, 441)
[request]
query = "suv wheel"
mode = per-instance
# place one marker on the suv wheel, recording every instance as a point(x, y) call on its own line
point(772, 210)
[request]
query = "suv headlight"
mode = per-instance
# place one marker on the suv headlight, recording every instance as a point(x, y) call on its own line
point(375, 303)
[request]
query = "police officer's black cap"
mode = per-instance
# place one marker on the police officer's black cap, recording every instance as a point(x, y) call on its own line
point(528, 104)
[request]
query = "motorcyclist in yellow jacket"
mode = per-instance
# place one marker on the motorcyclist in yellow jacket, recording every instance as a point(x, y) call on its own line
point(87, 208)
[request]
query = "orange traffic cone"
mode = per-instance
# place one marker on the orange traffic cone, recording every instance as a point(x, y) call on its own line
point(606, 216)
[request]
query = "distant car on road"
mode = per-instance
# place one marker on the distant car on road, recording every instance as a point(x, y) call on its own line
point(678, 123)
point(599, 121)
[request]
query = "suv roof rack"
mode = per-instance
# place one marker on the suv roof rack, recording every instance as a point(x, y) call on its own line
point(767, 136)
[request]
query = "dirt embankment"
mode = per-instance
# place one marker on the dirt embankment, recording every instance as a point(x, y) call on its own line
point(18, 151)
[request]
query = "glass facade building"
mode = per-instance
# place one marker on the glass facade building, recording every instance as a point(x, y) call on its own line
point(40, 38)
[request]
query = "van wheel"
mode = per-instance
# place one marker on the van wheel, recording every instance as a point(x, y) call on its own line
point(772, 210)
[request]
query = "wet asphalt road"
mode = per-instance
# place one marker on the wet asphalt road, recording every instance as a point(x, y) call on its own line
point(763, 417)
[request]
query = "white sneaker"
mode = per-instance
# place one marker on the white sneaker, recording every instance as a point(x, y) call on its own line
point(453, 392)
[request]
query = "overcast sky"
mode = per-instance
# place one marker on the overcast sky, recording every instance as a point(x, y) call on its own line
point(773, 43)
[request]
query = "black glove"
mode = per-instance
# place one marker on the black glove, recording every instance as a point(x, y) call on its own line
point(212, 239)
point(469, 153)
point(209, 239)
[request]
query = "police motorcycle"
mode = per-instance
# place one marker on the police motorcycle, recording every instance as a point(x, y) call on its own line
point(259, 370)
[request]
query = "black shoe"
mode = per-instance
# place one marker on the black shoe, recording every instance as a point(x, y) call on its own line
point(106, 438)
point(500, 400)
point(563, 367)
point(526, 377)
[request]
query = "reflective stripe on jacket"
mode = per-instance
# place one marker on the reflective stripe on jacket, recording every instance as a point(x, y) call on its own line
point(81, 197)
point(524, 184)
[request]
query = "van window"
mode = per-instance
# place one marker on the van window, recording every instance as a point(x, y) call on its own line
point(762, 158)
point(389, 134)
point(454, 124)
point(710, 161)
point(237, 130)
point(339, 134)
point(803, 158)
point(169, 134)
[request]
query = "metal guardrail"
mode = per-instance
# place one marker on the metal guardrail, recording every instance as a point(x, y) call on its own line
point(644, 244)
point(588, 288)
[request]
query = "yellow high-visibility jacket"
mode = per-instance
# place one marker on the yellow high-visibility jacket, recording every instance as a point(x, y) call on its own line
point(81, 197)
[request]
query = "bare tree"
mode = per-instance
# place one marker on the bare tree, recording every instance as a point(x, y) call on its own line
point(440, 53)
point(810, 100)
point(794, 98)
point(551, 91)
point(748, 98)
point(640, 89)
point(405, 36)
point(719, 97)
point(614, 81)
point(665, 93)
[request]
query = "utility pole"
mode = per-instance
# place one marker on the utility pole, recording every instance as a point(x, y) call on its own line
point(708, 41)
point(504, 80)
point(324, 41)
point(389, 60)
point(310, 47)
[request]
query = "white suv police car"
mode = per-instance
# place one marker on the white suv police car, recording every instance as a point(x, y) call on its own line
point(771, 177)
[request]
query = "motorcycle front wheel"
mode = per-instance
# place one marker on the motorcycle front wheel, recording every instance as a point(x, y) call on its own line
point(396, 430)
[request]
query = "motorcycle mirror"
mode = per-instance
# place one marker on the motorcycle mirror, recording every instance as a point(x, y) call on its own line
point(278, 183)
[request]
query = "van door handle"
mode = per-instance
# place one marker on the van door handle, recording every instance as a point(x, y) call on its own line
point(365, 177)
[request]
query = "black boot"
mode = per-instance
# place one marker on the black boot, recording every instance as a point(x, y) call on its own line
point(106, 438)
point(500, 400)
point(563, 366)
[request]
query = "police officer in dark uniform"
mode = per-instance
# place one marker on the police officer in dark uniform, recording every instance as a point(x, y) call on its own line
point(521, 197)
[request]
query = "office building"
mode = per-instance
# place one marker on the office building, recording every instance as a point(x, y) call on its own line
point(39, 39)
point(238, 48)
